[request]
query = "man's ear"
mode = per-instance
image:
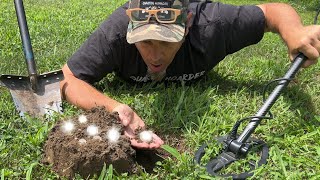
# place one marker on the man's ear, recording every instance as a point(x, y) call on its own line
point(189, 19)
point(188, 22)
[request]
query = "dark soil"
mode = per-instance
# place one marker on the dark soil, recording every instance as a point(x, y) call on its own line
point(68, 156)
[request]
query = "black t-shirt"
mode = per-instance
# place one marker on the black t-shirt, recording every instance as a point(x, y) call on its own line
point(217, 30)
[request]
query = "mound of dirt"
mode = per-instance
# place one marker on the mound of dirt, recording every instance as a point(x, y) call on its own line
point(70, 149)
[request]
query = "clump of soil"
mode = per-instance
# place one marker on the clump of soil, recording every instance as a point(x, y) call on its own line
point(77, 152)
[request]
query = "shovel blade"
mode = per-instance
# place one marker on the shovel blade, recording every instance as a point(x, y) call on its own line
point(45, 100)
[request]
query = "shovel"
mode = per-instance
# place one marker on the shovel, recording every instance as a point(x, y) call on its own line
point(35, 95)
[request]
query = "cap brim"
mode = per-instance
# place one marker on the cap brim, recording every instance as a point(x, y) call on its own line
point(152, 31)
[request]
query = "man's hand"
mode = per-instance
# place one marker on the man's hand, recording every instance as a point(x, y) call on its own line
point(305, 40)
point(132, 122)
point(283, 19)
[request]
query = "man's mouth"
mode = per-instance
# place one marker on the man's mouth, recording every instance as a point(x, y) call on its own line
point(156, 67)
point(157, 75)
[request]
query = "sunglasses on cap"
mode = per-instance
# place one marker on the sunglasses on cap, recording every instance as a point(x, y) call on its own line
point(164, 15)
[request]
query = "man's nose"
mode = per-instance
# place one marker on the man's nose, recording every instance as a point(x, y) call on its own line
point(155, 52)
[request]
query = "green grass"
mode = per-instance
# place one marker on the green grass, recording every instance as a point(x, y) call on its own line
point(198, 113)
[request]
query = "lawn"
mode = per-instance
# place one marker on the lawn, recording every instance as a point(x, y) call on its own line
point(198, 113)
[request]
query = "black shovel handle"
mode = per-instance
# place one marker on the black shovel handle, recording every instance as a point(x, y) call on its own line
point(26, 42)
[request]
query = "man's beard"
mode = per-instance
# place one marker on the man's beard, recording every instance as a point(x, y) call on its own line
point(156, 76)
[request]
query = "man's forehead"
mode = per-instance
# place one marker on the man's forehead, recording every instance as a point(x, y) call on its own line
point(145, 4)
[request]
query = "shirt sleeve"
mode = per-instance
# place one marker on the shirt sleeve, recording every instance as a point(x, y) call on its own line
point(92, 60)
point(227, 28)
point(102, 52)
point(242, 25)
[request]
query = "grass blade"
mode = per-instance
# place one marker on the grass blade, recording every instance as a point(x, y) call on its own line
point(110, 172)
point(103, 172)
point(28, 175)
point(172, 151)
point(2, 174)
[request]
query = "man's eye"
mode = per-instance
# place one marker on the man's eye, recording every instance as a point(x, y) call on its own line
point(147, 42)
point(164, 43)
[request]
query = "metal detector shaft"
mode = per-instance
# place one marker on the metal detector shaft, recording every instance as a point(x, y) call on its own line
point(26, 42)
point(297, 63)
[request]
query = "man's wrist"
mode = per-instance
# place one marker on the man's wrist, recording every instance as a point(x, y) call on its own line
point(289, 35)
point(111, 104)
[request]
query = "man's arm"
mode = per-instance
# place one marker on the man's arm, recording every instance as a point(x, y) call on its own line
point(283, 19)
point(83, 95)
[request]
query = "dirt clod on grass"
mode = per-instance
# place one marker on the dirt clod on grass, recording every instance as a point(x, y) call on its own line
point(77, 152)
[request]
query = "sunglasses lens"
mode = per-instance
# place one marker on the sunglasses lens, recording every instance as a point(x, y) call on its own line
point(166, 15)
point(139, 15)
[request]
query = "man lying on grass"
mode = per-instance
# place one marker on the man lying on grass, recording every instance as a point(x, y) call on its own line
point(174, 40)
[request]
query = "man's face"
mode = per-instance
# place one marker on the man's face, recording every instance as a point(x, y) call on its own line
point(158, 55)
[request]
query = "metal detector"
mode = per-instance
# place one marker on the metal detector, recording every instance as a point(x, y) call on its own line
point(236, 146)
